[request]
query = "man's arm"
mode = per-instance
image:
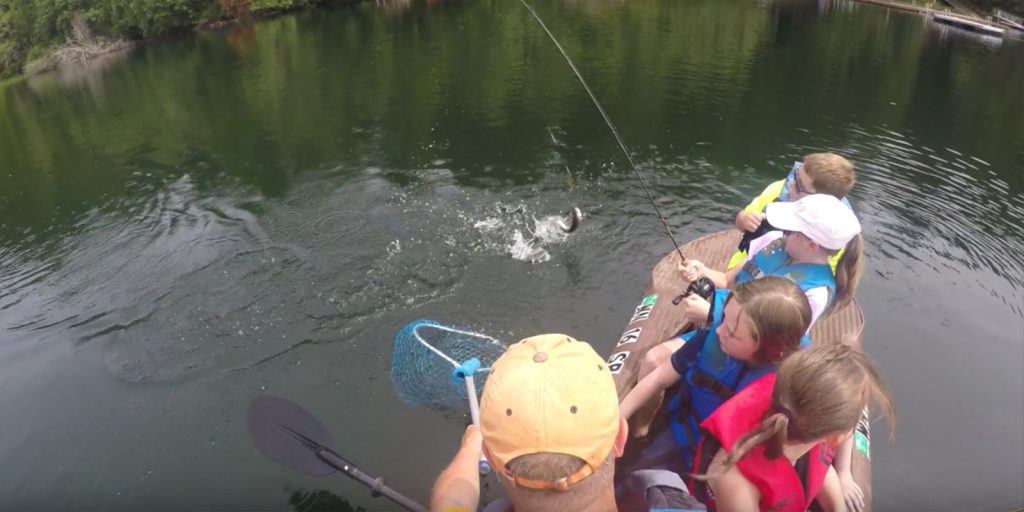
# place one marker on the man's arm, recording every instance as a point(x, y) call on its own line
point(457, 488)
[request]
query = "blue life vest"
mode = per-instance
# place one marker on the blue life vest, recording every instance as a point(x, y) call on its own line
point(711, 377)
point(771, 261)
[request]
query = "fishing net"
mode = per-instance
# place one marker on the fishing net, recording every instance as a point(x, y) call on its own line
point(427, 357)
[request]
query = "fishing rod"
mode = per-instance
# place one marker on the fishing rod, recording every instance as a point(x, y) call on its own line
point(703, 286)
point(292, 436)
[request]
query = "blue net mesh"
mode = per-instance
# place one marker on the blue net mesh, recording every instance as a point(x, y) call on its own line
point(422, 377)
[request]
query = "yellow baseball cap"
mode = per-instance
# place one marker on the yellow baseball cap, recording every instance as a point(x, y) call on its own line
point(549, 394)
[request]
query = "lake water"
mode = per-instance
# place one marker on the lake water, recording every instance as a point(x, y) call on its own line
point(259, 209)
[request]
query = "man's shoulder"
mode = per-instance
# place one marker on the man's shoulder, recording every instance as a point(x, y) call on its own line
point(657, 489)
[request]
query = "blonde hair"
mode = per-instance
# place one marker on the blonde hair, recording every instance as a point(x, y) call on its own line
point(779, 315)
point(819, 391)
point(848, 272)
point(829, 173)
point(552, 466)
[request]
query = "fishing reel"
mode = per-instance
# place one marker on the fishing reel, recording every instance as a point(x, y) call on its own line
point(702, 287)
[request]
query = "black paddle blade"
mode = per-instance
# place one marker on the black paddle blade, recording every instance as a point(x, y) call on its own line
point(289, 434)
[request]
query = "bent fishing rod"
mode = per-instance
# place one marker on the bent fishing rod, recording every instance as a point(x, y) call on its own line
point(703, 286)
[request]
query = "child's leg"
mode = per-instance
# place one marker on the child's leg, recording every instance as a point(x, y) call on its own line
point(655, 356)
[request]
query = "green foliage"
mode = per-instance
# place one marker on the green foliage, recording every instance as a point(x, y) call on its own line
point(30, 27)
point(260, 5)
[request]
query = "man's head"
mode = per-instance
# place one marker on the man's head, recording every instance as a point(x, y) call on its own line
point(823, 173)
point(550, 421)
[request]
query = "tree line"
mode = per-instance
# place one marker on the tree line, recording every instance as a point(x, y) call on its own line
point(30, 29)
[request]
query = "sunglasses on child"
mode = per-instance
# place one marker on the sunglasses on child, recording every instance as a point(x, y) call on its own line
point(796, 182)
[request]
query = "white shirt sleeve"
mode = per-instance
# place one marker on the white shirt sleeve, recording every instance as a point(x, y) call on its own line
point(818, 297)
point(759, 243)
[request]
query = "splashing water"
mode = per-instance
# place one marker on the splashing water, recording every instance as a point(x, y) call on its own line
point(514, 222)
point(524, 249)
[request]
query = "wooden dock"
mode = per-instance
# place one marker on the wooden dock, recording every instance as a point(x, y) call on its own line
point(1009, 20)
point(901, 6)
point(967, 22)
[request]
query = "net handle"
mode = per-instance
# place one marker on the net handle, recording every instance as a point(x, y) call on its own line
point(474, 413)
point(467, 377)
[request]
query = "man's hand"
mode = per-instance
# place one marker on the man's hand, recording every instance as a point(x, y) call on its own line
point(748, 221)
point(472, 441)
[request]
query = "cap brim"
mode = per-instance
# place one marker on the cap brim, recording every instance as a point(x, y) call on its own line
point(783, 216)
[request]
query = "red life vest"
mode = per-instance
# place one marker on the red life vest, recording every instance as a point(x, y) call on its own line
point(783, 487)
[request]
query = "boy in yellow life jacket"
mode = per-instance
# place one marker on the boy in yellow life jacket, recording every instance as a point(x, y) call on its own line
point(819, 173)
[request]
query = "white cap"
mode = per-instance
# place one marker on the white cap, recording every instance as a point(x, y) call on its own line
point(820, 217)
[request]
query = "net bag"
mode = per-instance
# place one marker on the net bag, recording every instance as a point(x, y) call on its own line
point(428, 359)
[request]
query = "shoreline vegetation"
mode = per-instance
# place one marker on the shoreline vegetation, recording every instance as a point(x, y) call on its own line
point(40, 35)
point(37, 36)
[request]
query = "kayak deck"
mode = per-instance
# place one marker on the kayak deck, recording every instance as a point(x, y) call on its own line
point(842, 325)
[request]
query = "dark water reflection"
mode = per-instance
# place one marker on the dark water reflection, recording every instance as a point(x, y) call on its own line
point(260, 209)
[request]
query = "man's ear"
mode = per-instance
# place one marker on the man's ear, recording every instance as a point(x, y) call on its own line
point(487, 454)
point(621, 437)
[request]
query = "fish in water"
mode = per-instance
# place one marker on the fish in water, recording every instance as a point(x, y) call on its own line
point(571, 220)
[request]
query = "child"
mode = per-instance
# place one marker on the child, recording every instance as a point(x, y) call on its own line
point(755, 327)
point(769, 447)
point(814, 228)
point(819, 173)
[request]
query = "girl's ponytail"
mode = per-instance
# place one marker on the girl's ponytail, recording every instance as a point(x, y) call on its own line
point(819, 391)
point(772, 430)
point(848, 272)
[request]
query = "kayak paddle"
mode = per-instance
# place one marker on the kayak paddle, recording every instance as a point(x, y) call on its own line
point(291, 436)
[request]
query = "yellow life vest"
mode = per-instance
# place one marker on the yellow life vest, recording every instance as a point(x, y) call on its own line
point(770, 194)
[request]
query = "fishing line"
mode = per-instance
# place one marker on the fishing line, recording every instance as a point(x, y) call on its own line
point(567, 171)
point(611, 126)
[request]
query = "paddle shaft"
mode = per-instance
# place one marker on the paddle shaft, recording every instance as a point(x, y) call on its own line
point(376, 485)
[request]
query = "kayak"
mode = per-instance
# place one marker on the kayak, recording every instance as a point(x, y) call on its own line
point(654, 320)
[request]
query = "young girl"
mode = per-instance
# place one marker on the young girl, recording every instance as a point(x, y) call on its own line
point(769, 447)
point(814, 228)
point(754, 328)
